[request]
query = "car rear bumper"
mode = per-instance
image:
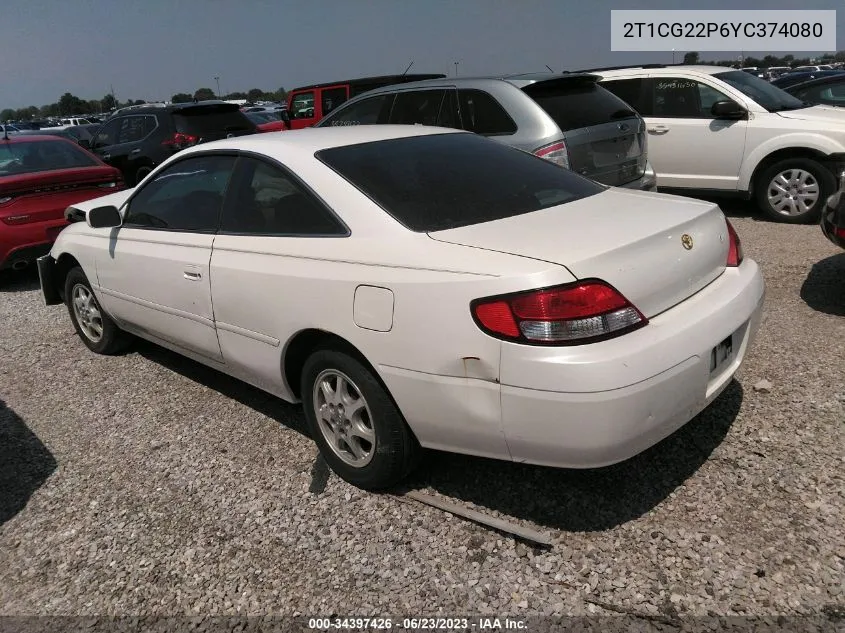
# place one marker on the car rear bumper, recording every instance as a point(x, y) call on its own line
point(647, 182)
point(22, 244)
point(593, 405)
point(833, 216)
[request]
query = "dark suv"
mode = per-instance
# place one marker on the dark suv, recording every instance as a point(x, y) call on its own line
point(137, 140)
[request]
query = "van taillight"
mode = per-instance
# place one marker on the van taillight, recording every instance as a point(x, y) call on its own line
point(180, 141)
point(555, 153)
point(735, 254)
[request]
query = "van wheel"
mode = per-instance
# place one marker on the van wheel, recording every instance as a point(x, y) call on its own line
point(96, 329)
point(794, 190)
point(357, 427)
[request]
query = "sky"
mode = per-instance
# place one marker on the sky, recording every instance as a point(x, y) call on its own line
point(152, 49)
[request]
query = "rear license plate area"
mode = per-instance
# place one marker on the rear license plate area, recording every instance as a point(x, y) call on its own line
point(721, 354)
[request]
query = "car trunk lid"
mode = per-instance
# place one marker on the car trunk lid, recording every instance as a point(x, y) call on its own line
point(635, 241)
point(605, 139)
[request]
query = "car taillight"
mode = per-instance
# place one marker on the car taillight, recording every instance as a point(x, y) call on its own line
point(581, 312)
point(555, 153)
point(837, 231)
point(107, 185)
point(6, 199)
point(735, 255)
point(179, 141)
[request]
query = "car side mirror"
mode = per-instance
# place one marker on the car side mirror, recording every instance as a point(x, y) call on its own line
point(84, 142)
point(285, 117)
point(104, 217)
point(728, 109)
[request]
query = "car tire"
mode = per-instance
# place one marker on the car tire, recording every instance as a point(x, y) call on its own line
point(142, 173)
point(795, 175)
point(363, 414)
point(96, 329)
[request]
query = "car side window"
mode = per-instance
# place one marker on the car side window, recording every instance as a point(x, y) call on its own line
point(482, 114)
point(369, 111)
point(681, 98)
point(830, 94)
point(136, 128)
point(302, 105)
point(186, 196)
point(107, 134)
point(266, 200)
point(331, 98)
point(417, 107)
point(449, 115)
point(634, 92)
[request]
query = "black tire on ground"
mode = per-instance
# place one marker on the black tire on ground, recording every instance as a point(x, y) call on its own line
point(821, 174)
point(112, 339)
point(395, 449)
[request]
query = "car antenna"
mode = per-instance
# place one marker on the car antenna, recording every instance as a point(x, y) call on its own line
point(408, 68)
point(550, 68)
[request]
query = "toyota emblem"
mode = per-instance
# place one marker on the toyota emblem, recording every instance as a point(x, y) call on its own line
point(686, 241)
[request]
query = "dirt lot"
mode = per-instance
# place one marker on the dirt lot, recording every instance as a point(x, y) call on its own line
point(146, 484)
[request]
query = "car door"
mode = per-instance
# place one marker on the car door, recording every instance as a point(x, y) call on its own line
point(118, 142)
point(154, 276)
point(263, 263)
point(687, 146)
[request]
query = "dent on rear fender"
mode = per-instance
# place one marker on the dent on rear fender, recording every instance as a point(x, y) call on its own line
point(474, 367)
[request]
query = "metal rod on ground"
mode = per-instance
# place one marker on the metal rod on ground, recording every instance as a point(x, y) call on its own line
point(524, 533)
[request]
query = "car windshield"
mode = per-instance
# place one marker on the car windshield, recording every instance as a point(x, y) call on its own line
point(768, 96)
point(445, 181)
point(32, 156)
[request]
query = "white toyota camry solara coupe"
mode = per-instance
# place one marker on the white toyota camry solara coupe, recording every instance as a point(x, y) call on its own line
point(420, 287)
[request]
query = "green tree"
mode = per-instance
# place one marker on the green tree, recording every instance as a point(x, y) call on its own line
point(181, 97)
point(71, 104)
point(108, 103)
point(204, 94)
point(236, 95)
point(255, 94)
point(691, 58)
point(7, 115)
point(281, 95)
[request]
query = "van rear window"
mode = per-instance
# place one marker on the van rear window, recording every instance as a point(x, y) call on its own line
point(575, 103)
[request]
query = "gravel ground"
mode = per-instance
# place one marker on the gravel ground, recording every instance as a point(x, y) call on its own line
point(146, 484)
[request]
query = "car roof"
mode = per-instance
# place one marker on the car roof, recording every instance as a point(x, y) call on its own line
point(817, 79)
point(148, 108)
point(665, 70)
point(393, 79)
point(519, 80)
point(311, 140)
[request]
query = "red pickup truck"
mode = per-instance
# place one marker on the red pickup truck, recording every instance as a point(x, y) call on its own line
point(309, 104)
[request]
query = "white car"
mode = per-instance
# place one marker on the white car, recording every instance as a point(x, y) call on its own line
point(420, 286)
point(719, 130)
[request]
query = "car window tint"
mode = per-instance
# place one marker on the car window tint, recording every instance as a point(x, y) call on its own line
point(330, 98)
point(365, 112)
point(186, 196)
point(34, 156)
point(707, 96)
point(445, 181)
point(135, 128)
point(417, 107)
point(632, 92)
point(449, 115)
point(107, 134)
point(482, 114)
point(681, 98)
point(830, 94)
point(575, 103)
point(302, 105)
point(266, 200)
point(211, 120)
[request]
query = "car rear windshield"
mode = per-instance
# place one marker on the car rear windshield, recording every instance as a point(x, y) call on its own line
point(445, 181)
point(32, 156)
point(211, 119)
point(578, 102)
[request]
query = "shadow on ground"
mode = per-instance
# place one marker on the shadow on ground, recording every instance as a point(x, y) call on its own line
point(570, 500)
point(19, 280)
point(824, 288)
point(282, 412)
point(25, 463)
point(584, 500)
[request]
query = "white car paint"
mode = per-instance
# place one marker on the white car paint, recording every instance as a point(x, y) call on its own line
point(691, 153)
point(402, 299)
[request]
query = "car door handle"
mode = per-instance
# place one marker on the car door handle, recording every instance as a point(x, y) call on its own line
point(105, 156)
point(192, 275)
point(658, 129)
point(136, 151)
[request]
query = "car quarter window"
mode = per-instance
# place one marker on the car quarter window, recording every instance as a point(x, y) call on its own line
point(264, 199)
point(482, 114)
point(186, 196)
point(331, 98)
point(679, 97)
point(633, 91)
point(369, 111)
point(302, 105)
point(417, 107)
point(828, 94)
point(107, 134)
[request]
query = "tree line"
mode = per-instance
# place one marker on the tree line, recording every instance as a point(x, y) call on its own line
point(769, 60)
point(69, 104)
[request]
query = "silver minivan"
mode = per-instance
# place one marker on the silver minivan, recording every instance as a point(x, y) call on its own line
point(567, 119)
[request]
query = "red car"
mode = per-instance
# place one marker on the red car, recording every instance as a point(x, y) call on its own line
point(40, 176)
point(267, 122)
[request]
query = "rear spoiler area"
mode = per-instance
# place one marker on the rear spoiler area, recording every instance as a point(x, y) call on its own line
point(566, 81)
